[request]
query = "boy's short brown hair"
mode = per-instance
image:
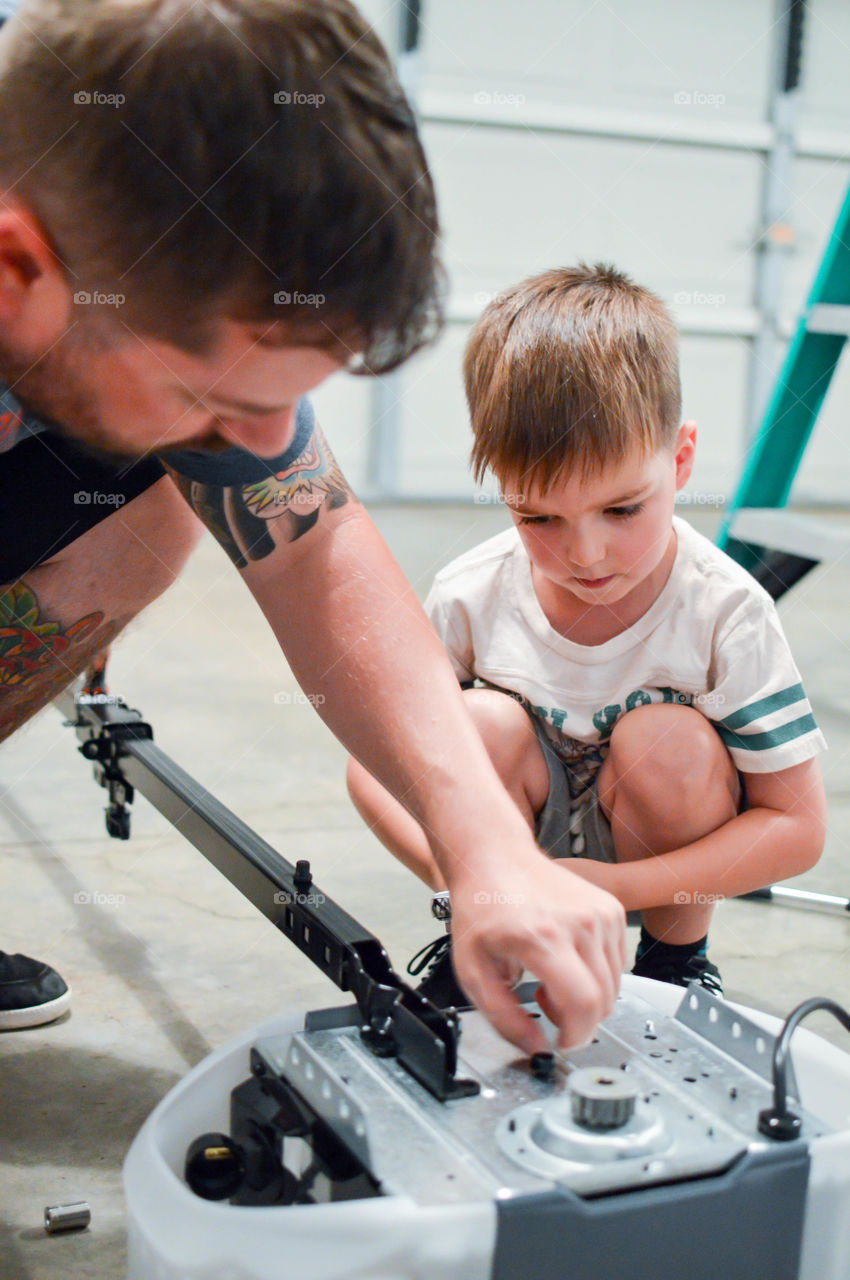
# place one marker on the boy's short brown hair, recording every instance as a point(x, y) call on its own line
point(254, 160)
point(570, 370)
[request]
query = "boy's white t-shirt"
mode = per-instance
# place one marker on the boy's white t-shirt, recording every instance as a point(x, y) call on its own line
point(712, 640)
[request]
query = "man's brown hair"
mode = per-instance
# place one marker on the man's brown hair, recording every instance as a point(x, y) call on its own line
point(249, 159)
point(570, 370)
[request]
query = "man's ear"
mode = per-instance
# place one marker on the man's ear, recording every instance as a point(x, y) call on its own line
point(685, 450)
point(34, 294)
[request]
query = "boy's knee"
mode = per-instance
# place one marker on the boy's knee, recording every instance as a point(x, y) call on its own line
point(508, 733)
point(505, 727)
point(667, 756)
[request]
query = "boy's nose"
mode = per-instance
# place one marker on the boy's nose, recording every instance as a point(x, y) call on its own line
point(586, 551)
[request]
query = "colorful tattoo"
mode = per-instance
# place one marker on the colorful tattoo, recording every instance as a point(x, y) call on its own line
point(27, 644)
point(238, 517)
point(39, 657)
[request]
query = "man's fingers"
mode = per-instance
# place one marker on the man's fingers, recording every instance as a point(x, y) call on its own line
point(502, 1008)
point(605, 961)
point(577, 992)
point(570, 934)
point(575, 1000)
point(581, 982)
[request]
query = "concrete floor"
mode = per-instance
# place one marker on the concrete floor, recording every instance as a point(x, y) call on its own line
point(179, 962)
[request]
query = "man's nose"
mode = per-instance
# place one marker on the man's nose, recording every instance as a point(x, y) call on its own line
point(267, 435)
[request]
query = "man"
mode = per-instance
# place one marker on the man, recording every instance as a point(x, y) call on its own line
point(208, 209)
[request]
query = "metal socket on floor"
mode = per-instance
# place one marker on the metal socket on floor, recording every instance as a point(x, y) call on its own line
point(66, 1217)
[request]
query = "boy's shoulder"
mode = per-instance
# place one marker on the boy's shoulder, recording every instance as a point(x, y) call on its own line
point(715, 576)
point(482, 562)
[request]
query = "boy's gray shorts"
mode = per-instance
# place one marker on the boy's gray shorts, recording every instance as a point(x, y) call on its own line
point(558, 830)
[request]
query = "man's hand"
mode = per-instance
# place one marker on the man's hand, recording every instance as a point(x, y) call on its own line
point(533, 914)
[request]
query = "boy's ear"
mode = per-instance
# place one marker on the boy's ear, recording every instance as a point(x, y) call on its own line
point(685, 450)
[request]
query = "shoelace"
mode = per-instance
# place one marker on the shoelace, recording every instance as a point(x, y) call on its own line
point(427, 955)
point(704, 973)
point(697, 967)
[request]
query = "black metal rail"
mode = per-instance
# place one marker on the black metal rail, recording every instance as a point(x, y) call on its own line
point(396, 1019)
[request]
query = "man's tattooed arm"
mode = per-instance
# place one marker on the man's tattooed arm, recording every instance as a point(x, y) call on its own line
point(40, 655)
point(239, 517)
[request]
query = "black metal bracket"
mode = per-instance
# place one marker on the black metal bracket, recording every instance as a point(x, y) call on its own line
point(102, 738)
point(397, 1020)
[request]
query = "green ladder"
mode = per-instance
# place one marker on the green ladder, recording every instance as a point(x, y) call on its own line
point(777, 547)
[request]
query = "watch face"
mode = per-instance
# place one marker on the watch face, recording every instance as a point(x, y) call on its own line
point(441, 905)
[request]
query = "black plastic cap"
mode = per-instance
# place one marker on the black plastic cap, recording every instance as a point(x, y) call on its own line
point(782, 1128)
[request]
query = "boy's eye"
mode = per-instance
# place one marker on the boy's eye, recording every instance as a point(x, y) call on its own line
point(533, 519)
point(623, 513)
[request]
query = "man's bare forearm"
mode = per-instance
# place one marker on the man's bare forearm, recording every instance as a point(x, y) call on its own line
point(359, 642)
point(356, 636)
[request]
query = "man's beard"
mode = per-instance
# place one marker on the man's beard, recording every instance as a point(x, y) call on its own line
point(51, 387)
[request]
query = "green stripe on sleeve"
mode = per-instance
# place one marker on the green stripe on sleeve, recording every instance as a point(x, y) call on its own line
point(772, 738)
point(764, 706)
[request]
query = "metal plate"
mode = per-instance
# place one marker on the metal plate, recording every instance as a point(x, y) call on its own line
point(703, 1099)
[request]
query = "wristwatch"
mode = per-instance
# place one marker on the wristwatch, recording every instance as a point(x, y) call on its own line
point(441, 907)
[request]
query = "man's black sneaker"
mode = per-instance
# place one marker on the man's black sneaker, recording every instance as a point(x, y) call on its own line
point(697, 969)
point(31, 993)
point(439, 985)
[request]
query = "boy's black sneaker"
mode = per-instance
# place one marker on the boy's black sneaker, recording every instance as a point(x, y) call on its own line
point(31, 993)
point(697, 968)
point(439, 985)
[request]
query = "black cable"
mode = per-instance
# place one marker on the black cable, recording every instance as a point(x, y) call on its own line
point(778, 1122)
point(411, 16)
point(794, 45)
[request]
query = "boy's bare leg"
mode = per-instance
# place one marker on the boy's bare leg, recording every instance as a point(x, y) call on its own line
point(667, 781)
point(60, 616)
point(510, 739)
point(392, 824)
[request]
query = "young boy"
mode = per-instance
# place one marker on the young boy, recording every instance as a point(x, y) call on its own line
point(633, 685)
